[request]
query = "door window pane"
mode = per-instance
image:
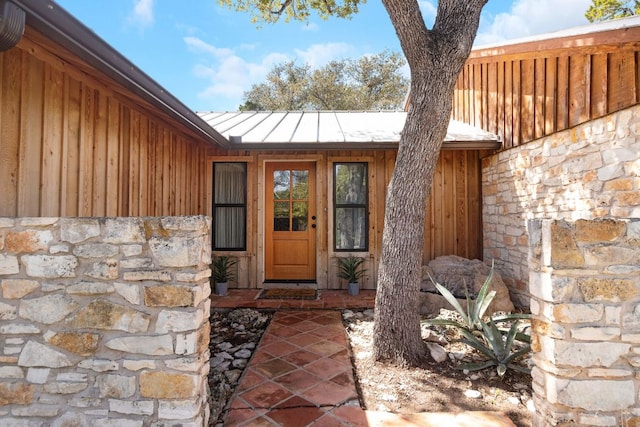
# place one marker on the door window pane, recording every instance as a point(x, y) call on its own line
point(229, 206)
point(350, 206)
point(300, 214)
point(281, 216)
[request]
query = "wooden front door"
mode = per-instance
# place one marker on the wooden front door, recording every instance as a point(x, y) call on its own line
point(290, 221)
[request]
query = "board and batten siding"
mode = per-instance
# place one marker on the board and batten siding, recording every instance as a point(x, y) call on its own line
point(453, 225)
point(525, 91)
point(72, 145)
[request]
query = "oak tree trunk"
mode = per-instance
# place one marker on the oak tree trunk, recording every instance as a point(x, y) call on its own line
point(435, 58)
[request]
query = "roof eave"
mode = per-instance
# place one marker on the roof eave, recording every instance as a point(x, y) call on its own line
point(369, 145)
point(48, 18)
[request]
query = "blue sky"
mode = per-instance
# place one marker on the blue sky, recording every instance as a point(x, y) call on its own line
point(208, 56)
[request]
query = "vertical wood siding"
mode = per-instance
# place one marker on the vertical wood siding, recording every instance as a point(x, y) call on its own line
point(453, 225)
point(70, 147)
point(527, 91)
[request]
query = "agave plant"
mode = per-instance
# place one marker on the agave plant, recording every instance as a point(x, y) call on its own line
point(498, 348)
point(222, 267)
point(351, 268)
point(472, 316)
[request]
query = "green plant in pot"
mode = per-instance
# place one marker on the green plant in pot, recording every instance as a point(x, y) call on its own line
point(352, 270)
point(223, 272)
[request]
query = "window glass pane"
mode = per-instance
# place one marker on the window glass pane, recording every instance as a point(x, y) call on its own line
point(281, 216)
point(351, 183)
point(281, 184)
point(229, 206)
point(300, 182)
point(229, 227)
point(300, 216)
point(229, 180)
point(351, 228)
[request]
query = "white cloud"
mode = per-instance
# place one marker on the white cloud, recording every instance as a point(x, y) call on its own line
point(318, 55)
point(310, 26)
point(229, 74)
point(531, 17)
point(142, 14)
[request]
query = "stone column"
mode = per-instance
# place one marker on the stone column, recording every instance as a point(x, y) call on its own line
point(585, 299)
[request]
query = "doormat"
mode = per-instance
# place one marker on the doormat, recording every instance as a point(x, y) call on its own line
point(288, 293)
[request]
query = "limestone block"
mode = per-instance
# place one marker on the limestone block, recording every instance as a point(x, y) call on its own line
point(123, 230)
point(81, 343)
point(16, 393)
point(104, 270)
point(76, 230)
point(193, 363)
point(28, 241)
point(38, 375)
point(137, 365)
point(179, 321)
point(138, 407)
point(13, 372)
point(564, 248)
point(36, 411)
point(99, 365)
point(184, 223)
point(582, 354)
point(578, 313)
point(115, 422)
point(129, 292)
point(64, 387)
point(9, 265)
point(606, 289)
point(598, 420)
point(7, 222)
point(547, 288)
point(131, 250)
point(603, 230)
point(137, 263)
point(8, 312)
point(595, 333)
point(631, 320)
point(602, 255)
point(96, 250)
point(35, 354)
point(592, 395)
point(186, 343)
point(177, 251)
point(58, 249)
point(153, 346)
point(633, 231)
point(18, 288)
point(179, 409)
point(90, 288)
point(149, 275)
point(103, 314)
point(188, 277)
point(18, 329)
point(607, 173)
point(169, 296)
point(40, 221)
point(164, 385)
point(116, 386)
point(50, 266)
point(47, 309)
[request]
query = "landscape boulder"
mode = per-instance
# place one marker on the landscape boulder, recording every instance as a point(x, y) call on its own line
point(455, 273)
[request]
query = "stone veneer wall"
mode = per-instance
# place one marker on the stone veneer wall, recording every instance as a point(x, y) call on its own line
point(590, 171)
point(104, 321)
point(585, 285)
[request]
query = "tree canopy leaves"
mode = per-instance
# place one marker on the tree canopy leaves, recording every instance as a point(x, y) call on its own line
point(271, 10)
point(373, 82)
point(604, 10)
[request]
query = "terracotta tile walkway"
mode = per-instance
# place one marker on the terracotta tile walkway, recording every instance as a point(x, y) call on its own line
point(301, 373)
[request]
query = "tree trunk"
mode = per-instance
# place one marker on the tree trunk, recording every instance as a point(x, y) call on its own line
point(435, 58)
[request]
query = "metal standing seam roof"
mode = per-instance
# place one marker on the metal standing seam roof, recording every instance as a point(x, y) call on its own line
point(332, 129)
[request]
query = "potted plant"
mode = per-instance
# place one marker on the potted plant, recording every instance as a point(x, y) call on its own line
point(351, 269)
point(223, 272)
